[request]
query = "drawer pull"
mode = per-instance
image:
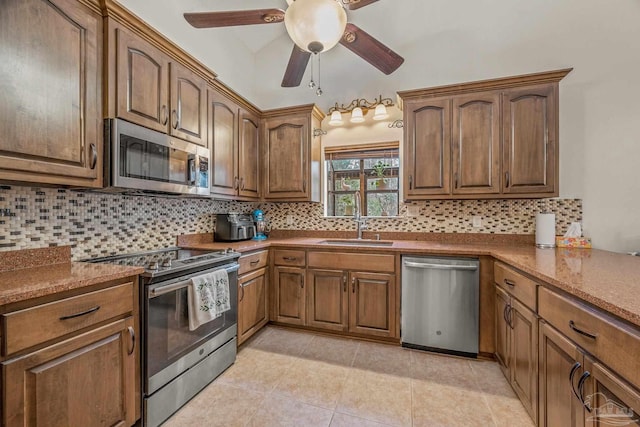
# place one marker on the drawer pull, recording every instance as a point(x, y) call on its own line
point(132, 334)
point(572, 325)
point(509, 282)
point(583, 378)
point(289, 258)
point(84, 313)
point(254, 262)
point(574, 369)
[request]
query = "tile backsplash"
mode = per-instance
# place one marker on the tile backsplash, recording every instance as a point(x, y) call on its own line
point(100, 224)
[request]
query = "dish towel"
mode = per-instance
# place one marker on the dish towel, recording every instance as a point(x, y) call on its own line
point(209, 297)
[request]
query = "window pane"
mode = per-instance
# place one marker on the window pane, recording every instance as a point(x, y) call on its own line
point(344, 204)
point(347, 183)
point(375, 184)
point(382, 204)
point(350, 164)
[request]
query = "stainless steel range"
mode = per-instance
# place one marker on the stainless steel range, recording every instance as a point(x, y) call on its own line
point(177, 363)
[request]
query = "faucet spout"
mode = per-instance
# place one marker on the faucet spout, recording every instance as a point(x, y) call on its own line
point(356, 212)
point(361, 222)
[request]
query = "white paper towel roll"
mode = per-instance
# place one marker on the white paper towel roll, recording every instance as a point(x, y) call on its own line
point(546, 230)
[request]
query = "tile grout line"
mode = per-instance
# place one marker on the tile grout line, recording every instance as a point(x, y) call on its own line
point(484, 395)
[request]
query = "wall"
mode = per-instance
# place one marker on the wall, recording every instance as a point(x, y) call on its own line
point(98, 224)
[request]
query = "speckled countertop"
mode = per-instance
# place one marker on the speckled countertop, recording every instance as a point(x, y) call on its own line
point(36, 273)
point(607, 280)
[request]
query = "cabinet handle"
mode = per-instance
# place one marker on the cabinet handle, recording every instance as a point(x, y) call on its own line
point(510, 316)
point(353, 285)
point(583, 378)
point(302, 282)
point(254, 262)
point(83, 313)
point(504, 313)
point(242, 294)
point(176, 119)
point(509, 283)
point(410, 182)
point(289, 258)
point(455, 180)
point(242, 184)
point(164, 115)
point(344, 283)
point(506, 177)
point(94, 156)
point(132, 334)
point(572, 325)
point(304, 186)
point(236, 183)
point(574, 369)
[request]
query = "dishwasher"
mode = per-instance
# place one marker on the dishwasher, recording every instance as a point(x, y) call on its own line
point(440, 304)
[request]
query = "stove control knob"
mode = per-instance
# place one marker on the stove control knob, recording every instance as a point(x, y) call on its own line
point(228, 251)
point(153, 265)
point(166, 263)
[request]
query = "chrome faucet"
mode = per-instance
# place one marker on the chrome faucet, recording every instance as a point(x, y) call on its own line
point(361, 222)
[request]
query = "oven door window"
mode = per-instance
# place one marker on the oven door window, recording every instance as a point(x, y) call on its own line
point(150, 161)
point(168, 334)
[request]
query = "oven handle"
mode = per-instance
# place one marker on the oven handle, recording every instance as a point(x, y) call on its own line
point(156, 292)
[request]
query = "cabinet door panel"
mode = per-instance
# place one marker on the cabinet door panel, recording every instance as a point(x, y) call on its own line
point(524, 363)
point(87, 380)
point(289, 295)
point(142, 77)
point(476, 144)
point(428, 148)
point(328, 305)
point(557, 356)
point(286, 150)
point(372, 304)
point(530, 149)
point(252, 309)
point(248, 154)
point(502, 331)
point(188, 105)
point(223, 138)
point(50, 80)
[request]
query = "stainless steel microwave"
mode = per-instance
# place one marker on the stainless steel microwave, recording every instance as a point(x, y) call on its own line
point(137, 158)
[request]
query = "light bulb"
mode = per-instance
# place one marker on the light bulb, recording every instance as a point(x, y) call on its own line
point(315, 25)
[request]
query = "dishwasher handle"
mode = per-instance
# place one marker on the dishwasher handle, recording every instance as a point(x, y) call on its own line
point(465, 267)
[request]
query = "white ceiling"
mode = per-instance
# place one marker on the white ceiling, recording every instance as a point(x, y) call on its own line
point(442, 41)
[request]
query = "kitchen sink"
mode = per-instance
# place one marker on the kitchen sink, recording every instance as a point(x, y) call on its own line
point(357, 242)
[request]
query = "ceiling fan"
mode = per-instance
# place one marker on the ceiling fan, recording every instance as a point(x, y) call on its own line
point(314, 26)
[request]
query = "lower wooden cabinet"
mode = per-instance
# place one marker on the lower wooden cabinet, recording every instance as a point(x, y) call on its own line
point(327, 299)
point(289, 295)
point(502, 330)
point(87, 380)
point(253, 309)
point(372, 304)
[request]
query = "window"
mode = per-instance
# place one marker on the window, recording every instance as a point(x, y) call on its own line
point(371, 170)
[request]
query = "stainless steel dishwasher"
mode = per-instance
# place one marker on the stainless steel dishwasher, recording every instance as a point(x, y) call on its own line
point(440, 304)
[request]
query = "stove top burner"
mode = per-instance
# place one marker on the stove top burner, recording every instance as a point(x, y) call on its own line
point(171, 260)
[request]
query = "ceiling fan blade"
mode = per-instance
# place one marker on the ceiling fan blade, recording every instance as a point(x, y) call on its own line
point(359, 3)
point(370, 49)
point(295, 69)
point(236, 17)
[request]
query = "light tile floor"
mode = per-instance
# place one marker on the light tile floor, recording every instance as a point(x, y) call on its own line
point(285, 377)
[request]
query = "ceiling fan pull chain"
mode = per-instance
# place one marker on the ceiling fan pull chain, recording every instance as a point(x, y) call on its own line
point(312, 84)
point(319, 91)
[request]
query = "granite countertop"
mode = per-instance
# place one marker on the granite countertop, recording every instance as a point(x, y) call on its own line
point(606, 280)
point(48, 271)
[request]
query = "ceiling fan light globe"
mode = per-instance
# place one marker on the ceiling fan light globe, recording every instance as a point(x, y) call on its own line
point(380, 112)
point(356, 115)
point(336, 119)
point(315, 25)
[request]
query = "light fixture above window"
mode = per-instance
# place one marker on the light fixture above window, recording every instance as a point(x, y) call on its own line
point(358, 109)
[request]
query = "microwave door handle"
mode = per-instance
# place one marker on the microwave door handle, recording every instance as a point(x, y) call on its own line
point(192, 169)
point(161, 290)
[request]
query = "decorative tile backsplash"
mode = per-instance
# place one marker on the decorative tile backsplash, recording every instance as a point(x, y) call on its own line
point(100, 224)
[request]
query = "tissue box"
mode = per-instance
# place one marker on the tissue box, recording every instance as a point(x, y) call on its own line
point(573, 242)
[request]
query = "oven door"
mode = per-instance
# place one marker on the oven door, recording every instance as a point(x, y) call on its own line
point(168, 341)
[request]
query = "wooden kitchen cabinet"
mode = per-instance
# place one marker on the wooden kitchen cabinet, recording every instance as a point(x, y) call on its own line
point(51, 127)
point(372, 304)
point(503, 330)
point(530, 148)
point(488, 139)
point(289, 293)
point(292, 155)
point(234, 146)
point(253, 291)
point(148, 87)
point(328, 299)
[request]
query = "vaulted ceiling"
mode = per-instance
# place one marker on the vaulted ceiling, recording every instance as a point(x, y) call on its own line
point(442, 42)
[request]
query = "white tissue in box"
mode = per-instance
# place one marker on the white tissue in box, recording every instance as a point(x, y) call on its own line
point(574, 230)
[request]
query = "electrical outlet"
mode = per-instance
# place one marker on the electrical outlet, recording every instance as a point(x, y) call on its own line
point(477, 221)
point(289, 219)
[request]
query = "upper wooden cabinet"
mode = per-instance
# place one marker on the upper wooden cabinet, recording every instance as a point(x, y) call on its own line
point(148, 87)
point(51, 80)
point(234, 144)
point(292, 154)
point(489, 139)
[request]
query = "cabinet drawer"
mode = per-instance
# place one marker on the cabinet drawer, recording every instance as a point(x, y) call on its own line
point(352, 261)
point(289, 257)
point(253, 261)
point(615, 344)
point(521, 287)
point(32, 326)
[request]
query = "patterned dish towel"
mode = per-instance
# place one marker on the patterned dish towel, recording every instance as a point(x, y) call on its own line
point(208, 297)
